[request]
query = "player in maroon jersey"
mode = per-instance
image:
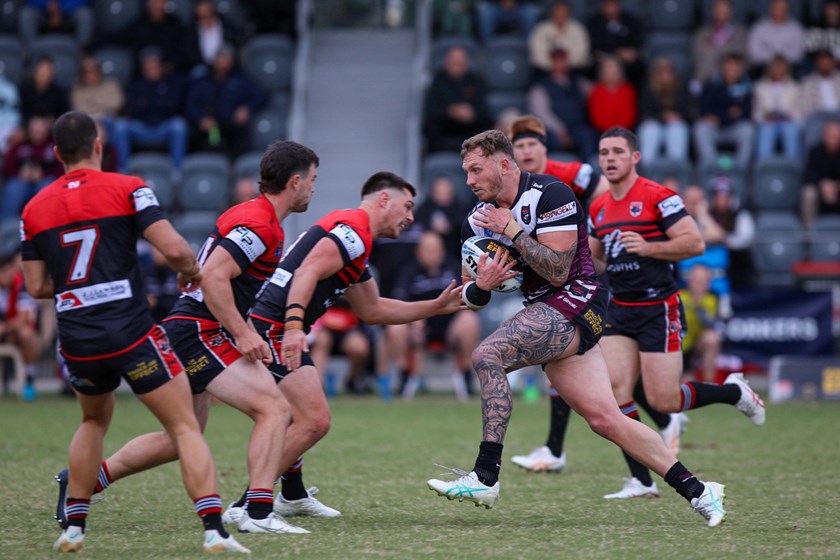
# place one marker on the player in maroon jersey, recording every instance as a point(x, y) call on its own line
point(639, 230)
point(559, 327)
point(222, 353)
point(327, 262)
point(79, 246)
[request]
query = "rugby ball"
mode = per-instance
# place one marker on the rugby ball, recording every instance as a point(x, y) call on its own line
point(474, 247)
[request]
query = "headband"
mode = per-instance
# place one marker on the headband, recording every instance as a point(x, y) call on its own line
point(528, 134)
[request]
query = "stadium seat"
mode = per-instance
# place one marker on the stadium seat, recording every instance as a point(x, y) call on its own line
point(232, 12)
point(778, 221)
point(9, 15)
point(267, 126)
point(267, 59)
point(280, 101)
point(441, 46)
point(775, 250)
point(63, 50)
point(446, 164)
point(247, 165)
point(112, 16)
point(117, 62)
point(658, 169)
point(182, 9)
point(11, 58)
point(737, 175)
point(740, 11)
point(195, 226)
point(204, 182)
point(498, 101)
point(673, 45)
point(156, 170)
point(776, 184)
point(825, 239)
point(507, 66)
point(563, 156)
point(9, 233)
point(813, 127)
point(673, 15)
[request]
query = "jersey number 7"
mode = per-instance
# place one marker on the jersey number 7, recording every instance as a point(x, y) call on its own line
point(85, 240)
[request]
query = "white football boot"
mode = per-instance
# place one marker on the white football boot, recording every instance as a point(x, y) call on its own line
point(271, 524)
point(710, 503)
point(541, 459)
point(466, 487)
point(71, 539)
point(215, 543)
point(750, 404)
point(633, 488)
point(308, 506)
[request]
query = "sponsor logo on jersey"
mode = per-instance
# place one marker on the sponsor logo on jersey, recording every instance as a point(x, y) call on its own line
point(248, 241)
point(558, 213)
point(584, 176)
point(144, 197)
point(536, 185)
point(525, 214)
point(74, 184)
point(636, 208)
point(92, 295)
point(349, 239)
point(671, 205)
point(280, 277)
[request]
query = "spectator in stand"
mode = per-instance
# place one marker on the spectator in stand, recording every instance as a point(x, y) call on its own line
point(614, 32)
point(28, 167)
point(825, 33)
point(821, 190)
point(777, 113)
point(40, 95)
point(459, 333)
point(453, 17)
point(38, 17)
point(504, 16)
point(220, 106)
point(339, 332)
point(725, 113)
point(559, 100)
point(208, 34)
point(110, 158)
point(156, 27)
point(665, 111)
point(9, 113)
point(719, 37)
point(559, 30)
point(456, 104)
point(100, 97)
point(738, 230)
point(153, 111)
point(612, 101)
point(703, 340)
point(245, 188)
point(442, 212)
point(778, 34)
point(819, 91)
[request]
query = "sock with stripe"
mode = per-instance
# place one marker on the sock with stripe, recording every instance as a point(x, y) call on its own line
point(77, 510)
point(489, 462)
point(637, 469)
point(661, 419)
point(292, 482)
point(696, 394)
point(560, 410)
point(209, 509)
point(684, 482)
point(104, 480)
point(260, 501)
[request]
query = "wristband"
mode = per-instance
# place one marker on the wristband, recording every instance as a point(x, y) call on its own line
point(512, 229)
point(295, 306)
point(475, 297)
point(515, 237)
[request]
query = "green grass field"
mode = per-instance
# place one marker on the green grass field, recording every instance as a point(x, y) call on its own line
point(781, 482)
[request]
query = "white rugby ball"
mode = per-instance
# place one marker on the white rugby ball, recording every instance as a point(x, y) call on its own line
point(474, 247)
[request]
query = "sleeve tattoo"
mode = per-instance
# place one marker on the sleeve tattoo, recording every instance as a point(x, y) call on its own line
point(548, 263)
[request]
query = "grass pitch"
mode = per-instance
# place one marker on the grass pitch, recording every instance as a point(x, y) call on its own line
point(781, 484)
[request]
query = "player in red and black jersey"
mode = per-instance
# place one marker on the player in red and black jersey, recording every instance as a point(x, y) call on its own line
point(640, 229)
point(328, 261)
point(79, 246)
point(558, 329)
point(222, 353)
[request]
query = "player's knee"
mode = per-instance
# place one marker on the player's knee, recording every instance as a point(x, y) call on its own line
point(485, 357)
point(605, 425)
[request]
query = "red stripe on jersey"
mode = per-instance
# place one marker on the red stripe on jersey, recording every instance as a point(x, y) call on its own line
point(112, 354)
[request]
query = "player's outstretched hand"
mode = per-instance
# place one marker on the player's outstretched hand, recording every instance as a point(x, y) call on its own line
point(294, 343)
point(188, 283)
point(253, 347)
point(491, 273)
point(449, 300)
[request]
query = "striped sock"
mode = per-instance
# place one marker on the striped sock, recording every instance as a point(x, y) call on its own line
point(695, 394)
point(292, 487)
point(77, 510)
point(637, 469)
point(259, 502)
point(209, 509)
point(104, 480)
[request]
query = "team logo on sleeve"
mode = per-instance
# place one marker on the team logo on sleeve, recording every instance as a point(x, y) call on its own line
point(349, 239)
point(144, 197)
point(636, 208)
point(671, 205)
point(248, 241)
point(558, 213)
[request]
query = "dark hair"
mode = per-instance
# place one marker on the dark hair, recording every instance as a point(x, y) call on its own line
point(281, 160)
point(620, 132)
point(489, 142)
point(73, 134)
point(386, 180)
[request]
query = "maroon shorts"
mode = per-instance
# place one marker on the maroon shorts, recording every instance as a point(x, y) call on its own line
point(583, 303)
point(205, 347)
point(145, 365)
point(656, 326)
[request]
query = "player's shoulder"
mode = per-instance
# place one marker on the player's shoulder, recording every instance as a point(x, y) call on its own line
point(655, 191)
point(256, 214)
point(356, 218)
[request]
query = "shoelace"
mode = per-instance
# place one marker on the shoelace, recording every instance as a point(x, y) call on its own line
point(452, 471)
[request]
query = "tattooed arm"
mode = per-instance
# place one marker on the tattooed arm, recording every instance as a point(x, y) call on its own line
point(550, 255)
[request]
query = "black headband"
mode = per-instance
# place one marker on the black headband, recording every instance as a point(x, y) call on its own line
point(534, 135)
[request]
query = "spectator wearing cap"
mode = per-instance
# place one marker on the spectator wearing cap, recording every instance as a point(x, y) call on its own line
point(819, 91)
point(777, 111)
point(720, 36)
point(220, 106)
point(821, 190)
point(559, 30)
point(738, 227)
point(40, 95)
point(777, 34)
point(153, 111)
point(559, 100)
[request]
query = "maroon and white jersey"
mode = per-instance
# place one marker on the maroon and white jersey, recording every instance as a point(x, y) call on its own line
point(544, 204)
point(350, 231)
point(85, 226)
point(649, 209)
point(252, 235)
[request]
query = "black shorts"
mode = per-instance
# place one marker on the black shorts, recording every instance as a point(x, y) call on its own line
point(437, 327)
point(583, 303)
point(656, 327)
point(146, 365)
point(272, 332)
point(205, 347)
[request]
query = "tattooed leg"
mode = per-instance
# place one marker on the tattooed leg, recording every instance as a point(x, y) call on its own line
point(536, 335)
